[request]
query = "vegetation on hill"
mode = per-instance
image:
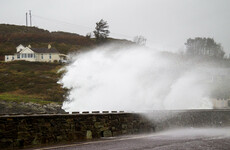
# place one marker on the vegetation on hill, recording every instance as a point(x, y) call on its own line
point(13, 35)
point(23, 81)
point(204, 47)
point(32, 86)
point(7, 29)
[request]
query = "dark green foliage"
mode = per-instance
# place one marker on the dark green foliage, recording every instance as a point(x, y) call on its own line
point(101, 31)
point(204, 46)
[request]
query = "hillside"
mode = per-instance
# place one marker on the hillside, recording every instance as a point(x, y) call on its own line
point(32, 86)
point(33, 82)
point(34, 79)
point(13, 35)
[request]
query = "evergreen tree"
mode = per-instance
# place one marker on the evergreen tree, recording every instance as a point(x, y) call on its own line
point(101, 31)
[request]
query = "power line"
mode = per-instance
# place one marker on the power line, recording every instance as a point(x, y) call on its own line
point(90, 28)
point(49, 19)
point(86, 27)
point(83, 26)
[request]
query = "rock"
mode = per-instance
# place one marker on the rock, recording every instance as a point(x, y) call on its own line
point(24, 108)
point(107, 133)
point(88, 134)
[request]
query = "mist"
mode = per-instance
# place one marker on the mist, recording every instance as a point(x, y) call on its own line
point(136, 78)
point(214, 133)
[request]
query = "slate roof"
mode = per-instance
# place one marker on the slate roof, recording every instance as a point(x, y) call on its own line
point(44, 50)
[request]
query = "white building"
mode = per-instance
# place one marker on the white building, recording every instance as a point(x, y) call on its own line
point(221, 103)
point(36, 54)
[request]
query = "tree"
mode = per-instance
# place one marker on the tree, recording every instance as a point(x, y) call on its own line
point(88, 35)
point(204, 46)
point(140, 40)
point(101, 31)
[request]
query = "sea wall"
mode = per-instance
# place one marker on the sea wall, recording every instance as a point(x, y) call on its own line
point(25, 131)
point(189, 118)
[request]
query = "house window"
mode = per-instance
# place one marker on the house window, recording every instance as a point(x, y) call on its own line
point(34, 55)
point(25, 55)
point(7, 57)
point(18, 56)
point(12, 57)
point(41, 56)
point(50, 56)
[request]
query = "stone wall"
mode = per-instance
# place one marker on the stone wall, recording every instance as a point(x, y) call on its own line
point(23, 131)
point(189, 118)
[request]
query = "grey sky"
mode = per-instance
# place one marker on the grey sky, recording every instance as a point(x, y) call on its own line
point(165, 23)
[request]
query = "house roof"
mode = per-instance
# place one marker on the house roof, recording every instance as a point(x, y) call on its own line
point(44, 50)
point(20, 45)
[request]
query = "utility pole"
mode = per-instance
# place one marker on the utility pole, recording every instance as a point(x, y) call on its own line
point(26, 20)
point(30, 18)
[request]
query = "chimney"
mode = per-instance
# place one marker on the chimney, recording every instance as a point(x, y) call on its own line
point(49, 46)
point(29, 46)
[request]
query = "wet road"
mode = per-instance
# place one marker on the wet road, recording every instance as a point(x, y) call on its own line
point(180, 139)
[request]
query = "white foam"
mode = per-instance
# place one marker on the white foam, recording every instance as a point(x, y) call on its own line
point(132, 79)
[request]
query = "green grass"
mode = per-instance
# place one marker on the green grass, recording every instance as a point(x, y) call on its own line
point(23, 98)
point(34, 80)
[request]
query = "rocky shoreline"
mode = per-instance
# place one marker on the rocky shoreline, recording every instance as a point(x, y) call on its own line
point(22, 107)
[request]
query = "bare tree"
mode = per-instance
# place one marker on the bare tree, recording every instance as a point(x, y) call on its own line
point(204, 46)
point(88, 35)
point(140, 40)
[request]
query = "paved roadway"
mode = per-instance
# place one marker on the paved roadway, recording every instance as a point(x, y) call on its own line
point(180, 139)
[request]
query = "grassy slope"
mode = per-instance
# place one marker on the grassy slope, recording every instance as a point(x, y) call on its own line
point(30, 81)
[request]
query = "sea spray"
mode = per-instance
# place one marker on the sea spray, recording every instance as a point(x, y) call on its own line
point(134, 79)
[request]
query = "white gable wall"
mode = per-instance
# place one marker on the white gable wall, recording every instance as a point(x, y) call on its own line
point(26, 54)
point(27, 50)
point(19, 48)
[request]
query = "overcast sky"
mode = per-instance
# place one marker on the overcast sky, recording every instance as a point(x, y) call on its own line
point(165, 23)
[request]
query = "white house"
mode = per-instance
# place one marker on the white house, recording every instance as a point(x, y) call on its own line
point(221, 103)
point(36, 54)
